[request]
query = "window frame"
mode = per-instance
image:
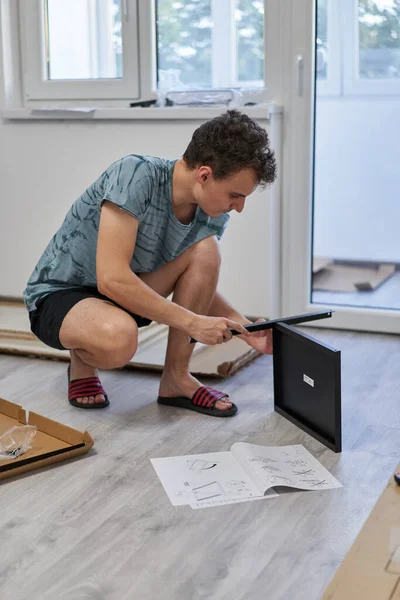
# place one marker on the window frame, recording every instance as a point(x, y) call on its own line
point(352, 84)
point(343, 75)
point(140, 58)
point(331, 86)
point(36, 86)
point(224, 53)
point(140, 70)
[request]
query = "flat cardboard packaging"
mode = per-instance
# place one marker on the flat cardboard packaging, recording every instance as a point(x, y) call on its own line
point(371, 568)
point(53, 442)
point(335, 277)
point(221, 360)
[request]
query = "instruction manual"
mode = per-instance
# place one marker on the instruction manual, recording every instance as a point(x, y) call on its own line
point(247, 472)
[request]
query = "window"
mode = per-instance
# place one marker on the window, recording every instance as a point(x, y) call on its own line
point(96, 52)
point(210, 43)
point(327, 52)
point(374, 42)
point(358, 47)
point(379, 39)
point(80, 49)
point(193, 43)
point(322, 40)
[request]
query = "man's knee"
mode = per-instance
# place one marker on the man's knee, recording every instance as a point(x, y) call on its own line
point(207, 253)
point(119, 341)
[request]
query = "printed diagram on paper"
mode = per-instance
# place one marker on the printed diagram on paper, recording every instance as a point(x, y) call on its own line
point(188, 479)
point(247, 472)
point(200, 465)
point(291, 466)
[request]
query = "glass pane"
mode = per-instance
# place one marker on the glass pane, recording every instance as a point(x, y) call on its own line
point(185, 40)
point(356, 212)
point(250, 41)
point(322, 39)
point(96, 30)
point(184, 32)
point(379, 39)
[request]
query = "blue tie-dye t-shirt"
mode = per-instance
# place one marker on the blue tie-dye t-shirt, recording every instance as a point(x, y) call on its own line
point(140, 185)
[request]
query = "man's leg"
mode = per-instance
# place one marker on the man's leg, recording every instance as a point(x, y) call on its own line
point(193, 276)
point(98, 335)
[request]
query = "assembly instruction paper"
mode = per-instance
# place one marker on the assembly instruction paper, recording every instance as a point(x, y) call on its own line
point(247, 472)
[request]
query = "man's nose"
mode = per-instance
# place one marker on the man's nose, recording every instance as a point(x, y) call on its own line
point(239, 205)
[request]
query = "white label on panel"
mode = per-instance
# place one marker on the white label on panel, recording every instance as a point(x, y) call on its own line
point(308, 380)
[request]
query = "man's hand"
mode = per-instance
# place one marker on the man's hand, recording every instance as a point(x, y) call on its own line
point(261, 340)
point(214, 330)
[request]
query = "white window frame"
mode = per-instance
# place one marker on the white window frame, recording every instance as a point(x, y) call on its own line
point(224, 47)
point(139, 81)
point(343, 41)
point(331, 86)
point(36, 86)
point(352, 84)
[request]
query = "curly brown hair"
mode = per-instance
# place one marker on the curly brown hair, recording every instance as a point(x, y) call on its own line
point(230, 143)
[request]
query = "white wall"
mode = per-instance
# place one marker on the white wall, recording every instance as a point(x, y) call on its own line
point(357, 191)
point(45, 166)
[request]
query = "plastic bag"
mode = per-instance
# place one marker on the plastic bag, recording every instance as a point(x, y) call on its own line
point(200, 98)
point(171, 91)
point(253, 96)
point(16, 441)
point(168, 79)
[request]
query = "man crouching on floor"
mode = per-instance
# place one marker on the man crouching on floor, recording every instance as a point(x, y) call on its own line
point(146, 228)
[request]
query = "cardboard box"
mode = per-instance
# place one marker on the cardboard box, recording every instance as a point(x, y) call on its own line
point(52, 443)
point(371, 569)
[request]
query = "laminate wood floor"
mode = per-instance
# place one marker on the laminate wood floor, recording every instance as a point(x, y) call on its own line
point(102, 527)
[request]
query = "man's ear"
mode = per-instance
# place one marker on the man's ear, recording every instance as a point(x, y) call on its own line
point(204, 173)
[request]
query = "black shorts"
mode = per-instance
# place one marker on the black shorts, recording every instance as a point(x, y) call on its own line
point(47, 318)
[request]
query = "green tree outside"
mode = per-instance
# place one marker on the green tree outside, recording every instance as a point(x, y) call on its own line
point(379, 36)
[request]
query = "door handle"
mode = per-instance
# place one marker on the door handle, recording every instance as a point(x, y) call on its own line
point(299, 74)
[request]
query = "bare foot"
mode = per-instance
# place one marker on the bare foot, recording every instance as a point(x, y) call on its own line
point(173, 384)
point(81, 370)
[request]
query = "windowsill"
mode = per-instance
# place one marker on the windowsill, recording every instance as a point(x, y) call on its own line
point(262, 111)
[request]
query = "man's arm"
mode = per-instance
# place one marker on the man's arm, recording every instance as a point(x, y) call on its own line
point(115, 279)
